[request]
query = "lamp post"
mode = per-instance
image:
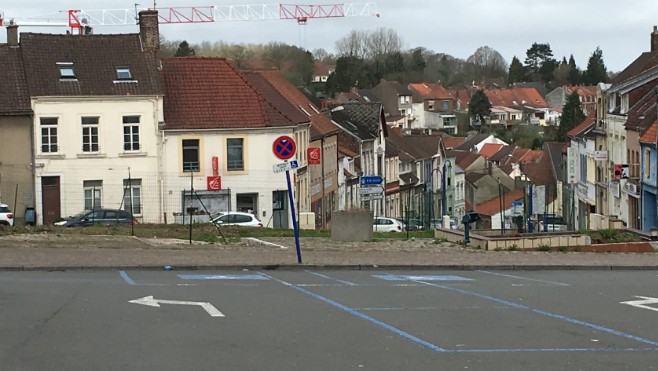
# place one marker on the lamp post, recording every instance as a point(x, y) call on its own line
point(443, 174)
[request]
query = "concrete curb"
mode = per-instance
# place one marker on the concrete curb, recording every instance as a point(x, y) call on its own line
point(256, 241)
point(361, 267)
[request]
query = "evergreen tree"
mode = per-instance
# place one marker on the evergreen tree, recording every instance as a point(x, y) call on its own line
point(572, 115)
point(546, 70)
point(575, 77)
point(350, 71)
point(535, 57)
point(184, 50)
point(479, 106)
point(596, 71)
point(516, 72)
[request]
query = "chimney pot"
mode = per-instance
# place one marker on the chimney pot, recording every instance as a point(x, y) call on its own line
point(654, 39)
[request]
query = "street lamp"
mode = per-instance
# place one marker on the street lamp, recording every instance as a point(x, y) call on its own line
point(444, 175)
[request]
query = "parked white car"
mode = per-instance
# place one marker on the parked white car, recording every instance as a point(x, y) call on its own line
point(236, 218)
point(6, 216)
point(382, 224)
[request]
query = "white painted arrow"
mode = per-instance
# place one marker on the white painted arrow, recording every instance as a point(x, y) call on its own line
point(152, 302)
point(643, 303)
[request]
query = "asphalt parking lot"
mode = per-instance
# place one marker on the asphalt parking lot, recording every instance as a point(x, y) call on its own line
point(329, 320)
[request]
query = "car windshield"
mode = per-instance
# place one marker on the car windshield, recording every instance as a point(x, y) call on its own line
point(80, 215)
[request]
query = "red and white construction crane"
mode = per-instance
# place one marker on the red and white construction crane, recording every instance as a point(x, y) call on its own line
point(79, 19)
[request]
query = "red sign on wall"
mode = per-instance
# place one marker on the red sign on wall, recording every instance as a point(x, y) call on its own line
point(215, 166)
point(214, 183)
point(313, 155)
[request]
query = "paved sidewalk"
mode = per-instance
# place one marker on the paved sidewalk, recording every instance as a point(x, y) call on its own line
point(51, 251)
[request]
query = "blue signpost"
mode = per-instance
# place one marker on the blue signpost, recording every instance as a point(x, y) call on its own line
point(284, 148)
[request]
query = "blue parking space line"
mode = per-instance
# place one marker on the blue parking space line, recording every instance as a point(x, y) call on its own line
point(330, 278)
point(356, 313)
point(530, 350)
point(524, 278)
point(126, 278)
point(545, 313)
point(221, 277)
point(402, 277)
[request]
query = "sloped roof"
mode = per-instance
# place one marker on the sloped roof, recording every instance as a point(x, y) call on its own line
point(642, 63)
point(322, 69)
point(320, 123)
point(209, 93)
point(516, 97)
point(463, 159)
point(490, 149)
point(539, 171)
point(643, 113)
point(649, 137)
point(94, 58)
point(429, 91)
point(554, 150)
point(363, 120)
point(14, 95)
point(581, 128)
point(471, 142)
point(414, 147)
point(397, 87)
point(492, 207)
point(273, 96)
point(503, 155)
point(452, 142)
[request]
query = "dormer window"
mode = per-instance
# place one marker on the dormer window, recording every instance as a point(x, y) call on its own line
point(123, 73)
point(66, 70)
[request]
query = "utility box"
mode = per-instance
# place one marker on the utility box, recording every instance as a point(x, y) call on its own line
point(351, 226)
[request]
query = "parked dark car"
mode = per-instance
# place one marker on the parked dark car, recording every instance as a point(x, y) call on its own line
point(98, 216)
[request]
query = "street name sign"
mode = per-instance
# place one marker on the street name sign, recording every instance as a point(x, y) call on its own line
point(371, 190)
point(371, 180)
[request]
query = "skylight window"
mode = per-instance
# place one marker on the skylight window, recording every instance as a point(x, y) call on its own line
point(66, 70)
point(123, 73)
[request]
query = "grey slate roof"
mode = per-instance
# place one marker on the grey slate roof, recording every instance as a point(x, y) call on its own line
point(364, 120)
point(14, 95)
point(471, 142)
point(94, 58)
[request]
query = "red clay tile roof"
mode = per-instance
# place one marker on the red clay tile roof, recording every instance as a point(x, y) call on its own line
point(492, 207)
point(490, 149)
point(321, 69)
point(516, 97)
point(430, 91)
point(649, 136)
point(209, 93)
point(453, 142)
point(14, 95)
point(589, 121)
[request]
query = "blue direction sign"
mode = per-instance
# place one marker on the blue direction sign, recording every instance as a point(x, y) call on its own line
point(371, 179)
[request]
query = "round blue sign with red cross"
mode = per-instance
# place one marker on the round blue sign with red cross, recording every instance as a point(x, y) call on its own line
point(284, 147)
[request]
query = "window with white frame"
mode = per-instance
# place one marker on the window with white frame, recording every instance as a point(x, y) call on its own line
point(49, 135)
point(92, 192)
point(191, 155)
point(131, 133)
point(90, 134)
point(401, 99)
point(123, 73)
point(132, 196)
point(66, 71)
point(647, 163)
point(234, 154)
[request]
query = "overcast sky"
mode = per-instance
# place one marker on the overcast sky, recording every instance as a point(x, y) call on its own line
point(457, 27)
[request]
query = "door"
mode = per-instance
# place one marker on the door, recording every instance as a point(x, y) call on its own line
point(50, 199)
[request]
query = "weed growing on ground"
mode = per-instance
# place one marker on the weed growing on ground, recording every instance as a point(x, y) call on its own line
point(544, 248)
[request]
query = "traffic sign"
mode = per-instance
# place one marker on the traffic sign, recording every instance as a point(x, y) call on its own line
point(371, 179)
point(284, 147)
point(371, 190)
point(285, 166)
point(378, 196)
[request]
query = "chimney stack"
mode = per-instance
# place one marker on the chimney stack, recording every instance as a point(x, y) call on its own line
point(654, 39)
point(12, 35)
point(149, 31)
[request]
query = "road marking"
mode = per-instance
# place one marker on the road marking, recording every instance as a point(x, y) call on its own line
point(151, 302)
point(395, 277)
point(642, 303)
point(330, 278)
point(221, 277)
point(544, 313)
point(523, 278)
point(360, 315)
point(126, 278)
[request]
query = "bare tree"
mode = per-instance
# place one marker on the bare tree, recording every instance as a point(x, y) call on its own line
point(488, 62)
point(382, 42)
point(352, 45)
point(323, 56)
